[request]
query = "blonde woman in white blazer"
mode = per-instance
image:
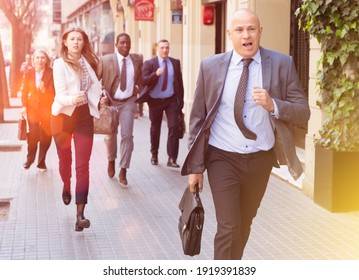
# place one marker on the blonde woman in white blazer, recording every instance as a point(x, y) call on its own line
point(76, 103)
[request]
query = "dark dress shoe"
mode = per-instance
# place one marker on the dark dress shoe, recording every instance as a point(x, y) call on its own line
point(111, 168)
point(81, 223)
point(66, 196)
point(27, 165)
point(122, 177)
point(172, 163)
point(154, 160)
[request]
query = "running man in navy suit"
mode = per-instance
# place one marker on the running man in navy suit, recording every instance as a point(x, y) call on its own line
point(163, 77)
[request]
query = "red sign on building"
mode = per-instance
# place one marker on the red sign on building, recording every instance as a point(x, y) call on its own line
point(144, 10)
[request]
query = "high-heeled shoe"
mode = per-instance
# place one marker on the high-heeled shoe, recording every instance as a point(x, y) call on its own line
point(66, 196)
point(81, 223)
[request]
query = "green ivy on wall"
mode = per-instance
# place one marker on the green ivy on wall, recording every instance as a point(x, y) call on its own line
point(334, 23)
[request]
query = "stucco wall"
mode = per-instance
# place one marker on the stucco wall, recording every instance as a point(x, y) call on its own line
point(275, 19)
point(68, 7)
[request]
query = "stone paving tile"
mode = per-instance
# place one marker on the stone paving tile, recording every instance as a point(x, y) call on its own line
point(140, 222)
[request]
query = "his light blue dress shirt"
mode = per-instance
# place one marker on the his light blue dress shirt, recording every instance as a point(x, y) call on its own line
point(225, 133)
point(157, 90)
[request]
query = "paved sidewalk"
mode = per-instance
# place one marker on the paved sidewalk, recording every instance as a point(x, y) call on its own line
point(140, 222)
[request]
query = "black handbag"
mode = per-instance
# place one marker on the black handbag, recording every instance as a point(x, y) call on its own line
point(22, 129)
point(107, 123)
point(190, 224)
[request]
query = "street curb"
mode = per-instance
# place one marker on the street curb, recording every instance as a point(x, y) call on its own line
point(8, 146)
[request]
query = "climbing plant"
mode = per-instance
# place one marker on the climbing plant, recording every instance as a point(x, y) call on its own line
point(334, 23)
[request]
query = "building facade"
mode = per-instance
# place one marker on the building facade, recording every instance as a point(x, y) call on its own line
point(95, 17)
point(197, 29)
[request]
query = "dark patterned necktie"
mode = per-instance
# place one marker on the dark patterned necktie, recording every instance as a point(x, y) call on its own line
point(165, 76)
point(123, 75)
point(239, 101)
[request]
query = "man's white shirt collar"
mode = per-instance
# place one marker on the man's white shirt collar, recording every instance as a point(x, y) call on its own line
point(236, 57)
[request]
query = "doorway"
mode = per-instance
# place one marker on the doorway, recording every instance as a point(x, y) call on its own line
point(220, 26)
point(299, 50)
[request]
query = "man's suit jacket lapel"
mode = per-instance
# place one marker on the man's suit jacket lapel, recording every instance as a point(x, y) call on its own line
point(266, 69)
point(222, 70)
point(136, 61)
point(115, 65)
point(155, 64)
point(217, 86)
point(150, 66)
point(116, 71)
point(218, 83)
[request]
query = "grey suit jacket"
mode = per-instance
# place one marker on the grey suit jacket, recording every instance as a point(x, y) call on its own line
point(109, 72)
point(280, 79)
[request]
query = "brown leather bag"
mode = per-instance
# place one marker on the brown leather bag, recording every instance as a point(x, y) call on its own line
point(190, 224)
point(107, 123)
point(22, 129)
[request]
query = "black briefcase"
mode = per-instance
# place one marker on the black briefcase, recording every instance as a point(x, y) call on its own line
point(181, 125)
point(190, 224)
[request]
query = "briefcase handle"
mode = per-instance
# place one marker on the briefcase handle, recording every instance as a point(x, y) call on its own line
point(196, 190)
point(197, 196)
point(106, 94)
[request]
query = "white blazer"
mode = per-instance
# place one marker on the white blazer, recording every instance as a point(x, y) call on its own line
point(67, 86)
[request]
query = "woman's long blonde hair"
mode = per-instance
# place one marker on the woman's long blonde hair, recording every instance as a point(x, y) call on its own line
point(86, 51)
point(48, 59)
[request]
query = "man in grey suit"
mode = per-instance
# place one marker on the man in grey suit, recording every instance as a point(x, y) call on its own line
point(121, 75)
point(239, 166)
